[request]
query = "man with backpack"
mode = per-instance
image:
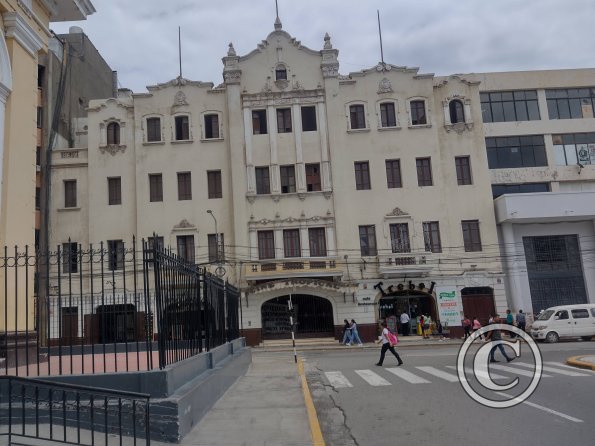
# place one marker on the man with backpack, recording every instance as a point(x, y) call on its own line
point(389, 340)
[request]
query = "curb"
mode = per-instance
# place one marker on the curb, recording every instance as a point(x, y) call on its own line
point(575, 361)
point(315, 431)
point(343, 348)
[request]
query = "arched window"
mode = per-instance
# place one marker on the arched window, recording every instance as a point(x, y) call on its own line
point(457, 111)
point(113, 134)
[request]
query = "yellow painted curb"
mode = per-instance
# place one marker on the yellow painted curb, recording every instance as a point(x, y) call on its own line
point(576, 362)
point(315, 431)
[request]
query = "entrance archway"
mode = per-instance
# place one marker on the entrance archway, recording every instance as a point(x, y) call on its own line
point(313, 314)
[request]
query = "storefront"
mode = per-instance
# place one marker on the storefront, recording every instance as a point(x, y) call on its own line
point(413, 302)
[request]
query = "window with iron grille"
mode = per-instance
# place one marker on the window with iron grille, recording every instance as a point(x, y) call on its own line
point(399, 237)
point(471, 236)
point(357, 116)
point(153, 129)
point(155, 187)
point(284, 120)
point(259, 122)
point(113, 134)
point(212, 126)
point(463, 166)
point(309, 118)
point(388, 117)
point(432, 241)
point(266, 245)
point(263, 182)
point(457, 111)
point(508, 106)
point(317, 238)
point(69, 193)
point(214, 184)
point(393, 174)
point(291, 243)
point(362, 175)
point(70, 257)
point(367, 240)
point(418, 112)
point(281, 74)
point(313, 177)
point(184, 186)
point(115, 254)
point(216, 252)
point(114, 187)
point(424, 172)
point(287, 179)
point(185, 245)
point(182, 124)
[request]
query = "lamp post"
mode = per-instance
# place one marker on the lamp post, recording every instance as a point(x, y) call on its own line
point(216, 236)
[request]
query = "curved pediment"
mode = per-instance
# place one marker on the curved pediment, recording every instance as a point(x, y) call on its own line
point(273, 38)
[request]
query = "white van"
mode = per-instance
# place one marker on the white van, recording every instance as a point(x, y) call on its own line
point(567, 321)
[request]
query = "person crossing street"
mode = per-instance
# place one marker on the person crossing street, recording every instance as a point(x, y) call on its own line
point(385, 338)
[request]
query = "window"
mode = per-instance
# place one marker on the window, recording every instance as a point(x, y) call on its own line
point(580, 313)
point(432, 236)
point(184, 186)
point(593, 312)
point(362, 175)
point(186, 247)
point(214, 184)
point(508, 106)
point(463, 166)
point(153, 129)
point(574, 148)
point(471, 237)
point(317, 237)
point(182, 124)
point(155, 187)
point(561, 314)
point(418, 112)
point(572, 103)
point(38, 156)
point(313, 177)
point(259, 122)
point(501, 189)
point(114, 191)
point(457, 111)
point(367, 240)
point(115, 254)
point(284, 120)
point(69, 193)
point(287, 179)
point(516, 151)
point(424, 172)
point(393, 174)
point(357, 117)
point(39, 117)
point(70, 257)
point(211, 126)
point(309, 118)
point(113, 134)
point(399, 237)
point(266, 245)
point(388, 117)
point(216, 252)
point(281, 73)
point(37, 197)
point(263, 182)
point(291, 243)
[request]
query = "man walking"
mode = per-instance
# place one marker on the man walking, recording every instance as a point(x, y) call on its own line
point(520, 320)
point(495, 336)
point(404, 319)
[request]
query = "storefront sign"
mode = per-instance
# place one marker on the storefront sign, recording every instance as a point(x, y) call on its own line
point(450, 306)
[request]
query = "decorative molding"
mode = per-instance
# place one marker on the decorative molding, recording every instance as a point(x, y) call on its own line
point(314, 283)
point(459, 77)
point(384, 86)
point(180, 99)
point(17, 28)
point(282, 84)
point(180, 82)
point(112, 149)
point(232, 77)
point(397, 212)
point(184, 224)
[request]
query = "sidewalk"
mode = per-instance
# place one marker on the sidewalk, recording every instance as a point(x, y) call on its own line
point(583, 362)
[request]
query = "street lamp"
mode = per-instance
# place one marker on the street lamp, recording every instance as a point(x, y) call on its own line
point(216, 235)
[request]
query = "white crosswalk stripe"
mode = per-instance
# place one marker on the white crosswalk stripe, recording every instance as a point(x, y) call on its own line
point(566, 366)
point(337, 379)
point(469, 371)
point(372, 378)
point(552, 369)
point(439, 373)
point(408, 376)
point(517, 371)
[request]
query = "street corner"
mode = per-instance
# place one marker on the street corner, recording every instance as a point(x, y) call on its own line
point(583, 362)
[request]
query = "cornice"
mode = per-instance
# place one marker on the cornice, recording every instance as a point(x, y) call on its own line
point(17, 28)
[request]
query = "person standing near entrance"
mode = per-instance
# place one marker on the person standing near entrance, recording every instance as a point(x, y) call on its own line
point(346, 333)
point(476, 326)
point(386, 345)
point(467, 326)
point(354, 334)
point(404, 319)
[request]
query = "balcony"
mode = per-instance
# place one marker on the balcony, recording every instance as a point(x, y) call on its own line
point(399, 263)
point(295, 267)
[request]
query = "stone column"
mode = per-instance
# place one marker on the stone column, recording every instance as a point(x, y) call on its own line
point(4, 92)
point(250, 172)
point(272, 127)
point(305, 242)
point(300, 168)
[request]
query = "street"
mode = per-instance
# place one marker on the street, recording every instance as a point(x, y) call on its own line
point(359, 403)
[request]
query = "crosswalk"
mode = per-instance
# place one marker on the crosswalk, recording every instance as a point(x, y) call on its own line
point(428, 374)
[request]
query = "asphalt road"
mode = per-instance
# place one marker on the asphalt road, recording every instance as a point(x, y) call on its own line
point(423, 402)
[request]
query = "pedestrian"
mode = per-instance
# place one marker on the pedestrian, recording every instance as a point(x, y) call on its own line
point(495, 336)
point(346, 333)
point(427, 326)
point(476, 326)
point(467, 327)
point(405, 323)
point(491, 319)
point(510, 321)
point(355, 334)
point(520, 320)
point(386, 345)
point(420, 329)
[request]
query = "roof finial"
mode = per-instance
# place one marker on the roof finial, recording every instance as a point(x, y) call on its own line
point(278, 24)
point(327, 42)
point(231, 51)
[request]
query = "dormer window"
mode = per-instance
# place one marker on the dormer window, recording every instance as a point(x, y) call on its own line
point(113, 134)
point(457, 111)
point(281, 73)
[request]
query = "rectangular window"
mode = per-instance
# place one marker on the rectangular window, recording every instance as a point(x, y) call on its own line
point(571, 103)
point(182, 128)
point(399, 237)
point(38, 156)
point(69, 193)
point(463, 166)
point(418, 112)
point(574, 149)
point(432, 241)
point(37, 197)
point(212, 126)
point(39, 117)
point(263, 182)
point(516, 151)
point(70, 257)
point(309, 118)
point(284, 120)
point(501, 189)
point(259, 122)
point(114, 187)
point(367, 240)
point(216, 252)
point(357, 117)
point(424, 172)
point(153, 129)
point(471, 237)
point(266, 245)
point(115, 254)
point(313, 177)
point(186, 247)
point(291, 243)
point(184, 186)
point(393, 174)
point(509, 106)
point(387, 115)
point(362, 175)
point(155, 187)
point(214, 184)
point(317, 237)
point(287, 179)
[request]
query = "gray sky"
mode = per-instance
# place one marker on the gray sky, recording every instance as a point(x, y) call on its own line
point(139, 38)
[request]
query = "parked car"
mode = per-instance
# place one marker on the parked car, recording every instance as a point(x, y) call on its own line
point(567, 321)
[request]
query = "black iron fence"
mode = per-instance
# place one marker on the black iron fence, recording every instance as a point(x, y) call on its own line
point(70, 414)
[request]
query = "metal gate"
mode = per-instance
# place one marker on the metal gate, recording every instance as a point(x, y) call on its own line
point(314, 317)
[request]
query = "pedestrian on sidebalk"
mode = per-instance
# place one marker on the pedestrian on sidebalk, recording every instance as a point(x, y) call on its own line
point(520, 320)
point(389, 341)
point(346, 333)
point(354, 334)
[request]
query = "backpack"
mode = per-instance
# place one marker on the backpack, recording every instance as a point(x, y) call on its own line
point(392, 338)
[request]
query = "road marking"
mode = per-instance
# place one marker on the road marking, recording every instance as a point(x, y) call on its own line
point(545, 409)
point(372, 378)
point(470, 371)
point(551, 369)
point(566, 366)
point(337, 379)
point(439, 373)
point(315, 430)
point(408, 376)
point(505, 368)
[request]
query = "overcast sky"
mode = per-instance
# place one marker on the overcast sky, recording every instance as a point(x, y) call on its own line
point(139, 38)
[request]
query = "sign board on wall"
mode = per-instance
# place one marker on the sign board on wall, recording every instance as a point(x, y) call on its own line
point(450, 306)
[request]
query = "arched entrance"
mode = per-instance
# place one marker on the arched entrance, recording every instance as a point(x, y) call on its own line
point(412, 302)
point(313, 314)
